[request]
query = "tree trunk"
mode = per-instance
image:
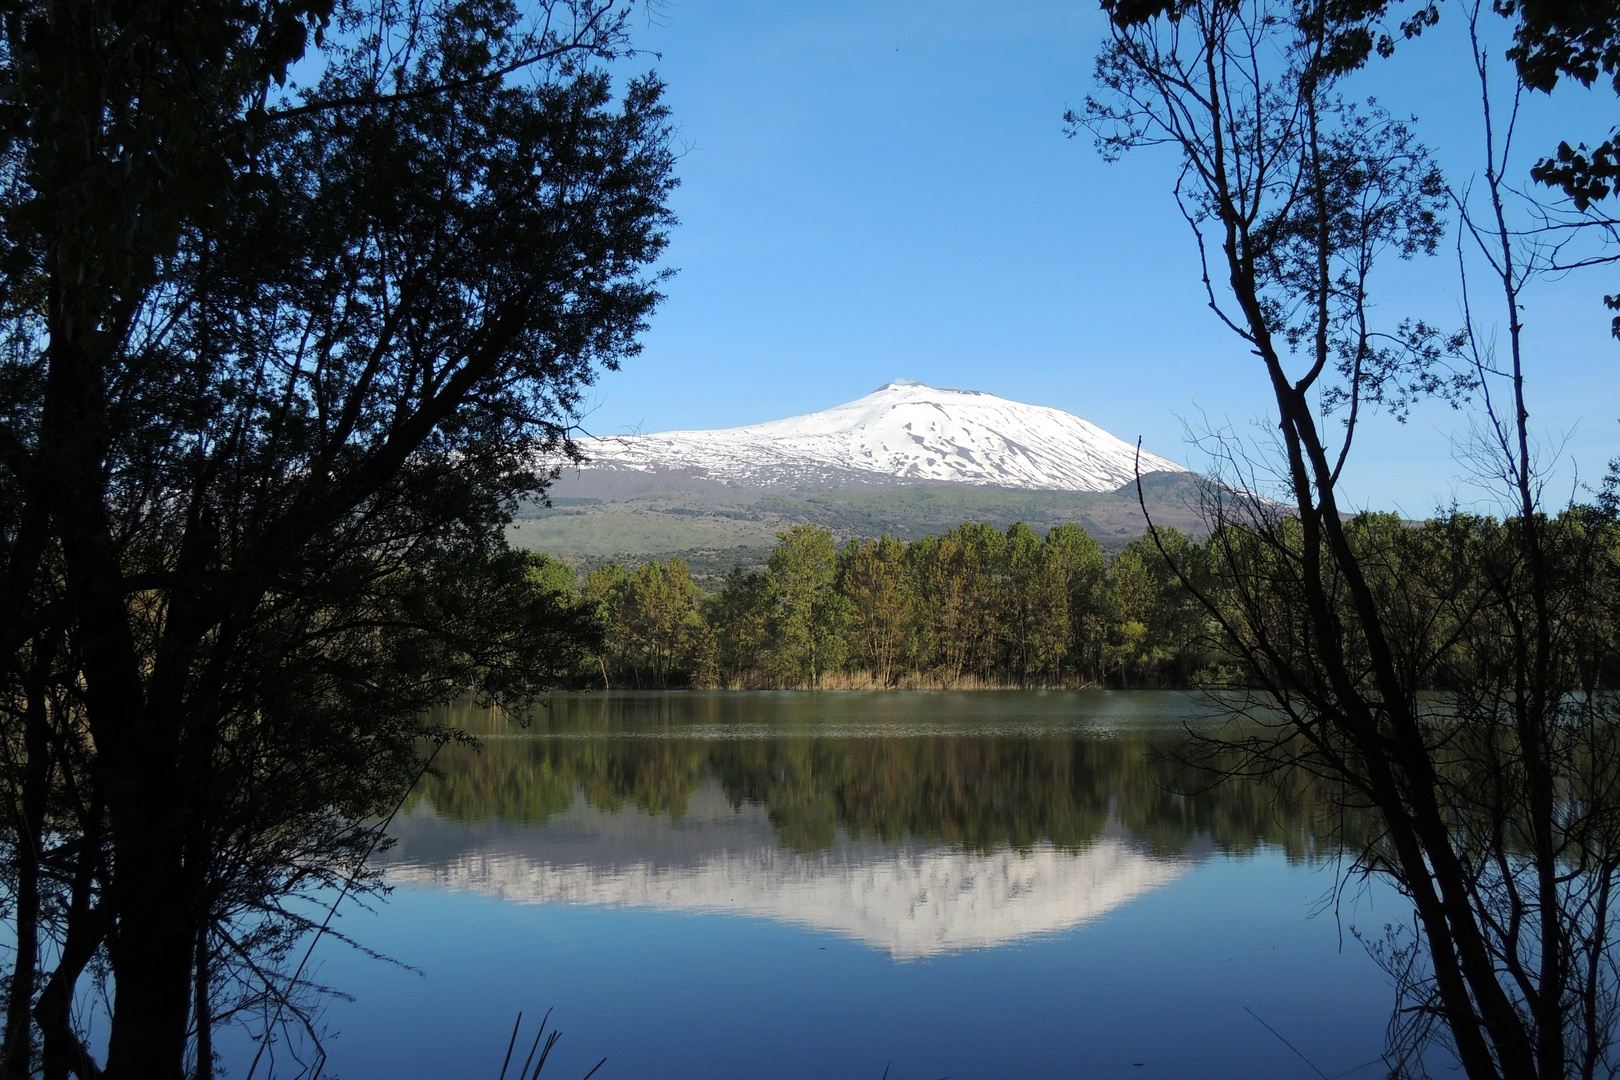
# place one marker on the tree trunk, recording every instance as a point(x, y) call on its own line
point(152, 954)
point(205, 1018)
point(136, 740)
point(86, 929)
point(19, 1043)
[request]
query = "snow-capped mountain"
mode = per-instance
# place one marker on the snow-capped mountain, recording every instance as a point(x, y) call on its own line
point(902, 432)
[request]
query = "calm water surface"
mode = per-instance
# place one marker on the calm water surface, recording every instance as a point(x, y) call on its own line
point(828, 885)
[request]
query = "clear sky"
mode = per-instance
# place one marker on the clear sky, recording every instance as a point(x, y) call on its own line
point(874, 191)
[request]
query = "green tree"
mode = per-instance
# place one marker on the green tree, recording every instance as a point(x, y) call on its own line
point(740, 617)
point(985, 594)
point(1026, 616)
point(1159, 623)
point(1074, 560)
point(600, 594)
point(661, 606)
point(1133, 591)
point(807, 616)
point(551, 576)
point(957, 579)
point(873, 576)
point(653, 624)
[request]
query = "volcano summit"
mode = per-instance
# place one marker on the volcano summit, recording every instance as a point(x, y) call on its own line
point(903, 433)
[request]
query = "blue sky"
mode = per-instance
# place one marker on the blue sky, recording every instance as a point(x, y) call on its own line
point(883, 190)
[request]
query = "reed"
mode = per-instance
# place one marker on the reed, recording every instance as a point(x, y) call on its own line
point(543, 1042)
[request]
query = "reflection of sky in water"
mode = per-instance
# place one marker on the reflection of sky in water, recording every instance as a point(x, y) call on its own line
point(717, 942)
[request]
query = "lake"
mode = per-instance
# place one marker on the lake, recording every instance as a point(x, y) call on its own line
point(917, 885)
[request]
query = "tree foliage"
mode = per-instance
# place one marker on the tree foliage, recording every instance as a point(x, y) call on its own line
point(972, 607)
point(1494, 811)
point(278, 362)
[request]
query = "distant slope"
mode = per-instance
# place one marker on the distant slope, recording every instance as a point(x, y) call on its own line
point(599, 515)
point(904, 432)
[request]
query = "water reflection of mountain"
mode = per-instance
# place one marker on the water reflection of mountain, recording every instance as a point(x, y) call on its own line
point(916, 839)
point(909, 900)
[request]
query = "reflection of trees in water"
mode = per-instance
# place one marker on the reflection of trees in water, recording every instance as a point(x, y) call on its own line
point(977, 792)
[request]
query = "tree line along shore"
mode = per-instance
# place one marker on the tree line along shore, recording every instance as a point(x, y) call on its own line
point(982, 608)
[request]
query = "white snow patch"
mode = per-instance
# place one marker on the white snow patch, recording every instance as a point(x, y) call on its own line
point(906, 430)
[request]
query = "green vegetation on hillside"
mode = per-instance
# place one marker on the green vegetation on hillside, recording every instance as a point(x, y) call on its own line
point(911, 513)
point(605, 519)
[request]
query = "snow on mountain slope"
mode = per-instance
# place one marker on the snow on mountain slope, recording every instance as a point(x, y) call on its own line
point(904, 431)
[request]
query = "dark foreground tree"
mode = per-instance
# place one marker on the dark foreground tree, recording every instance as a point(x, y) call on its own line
point(278, 364)
point(1496, 799)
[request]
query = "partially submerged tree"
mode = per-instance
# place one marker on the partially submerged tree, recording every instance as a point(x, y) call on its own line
point(278, 365)
point(1496, 800)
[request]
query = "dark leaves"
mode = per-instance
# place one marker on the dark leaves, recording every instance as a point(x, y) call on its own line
point(1586, 175)
point(1577, 38)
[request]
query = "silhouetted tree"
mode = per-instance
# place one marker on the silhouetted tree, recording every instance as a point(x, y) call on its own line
point(278, 364)
point(1496, 800)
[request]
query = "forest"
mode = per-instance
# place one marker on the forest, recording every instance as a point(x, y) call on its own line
point(981, 607)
